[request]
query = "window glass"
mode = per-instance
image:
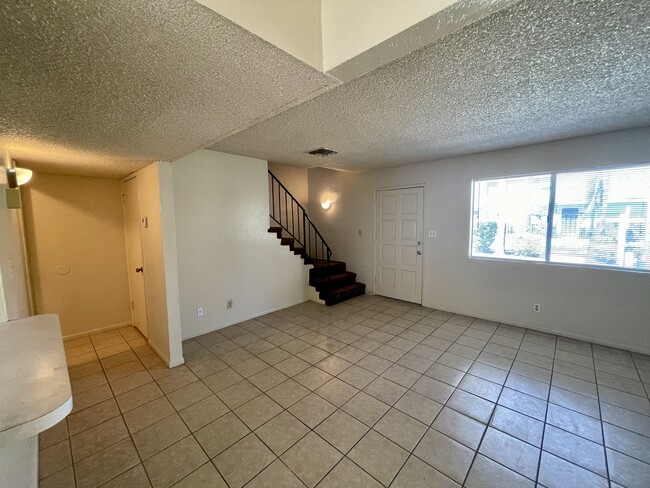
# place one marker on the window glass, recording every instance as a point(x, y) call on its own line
point(609, 218)
point(510, 217)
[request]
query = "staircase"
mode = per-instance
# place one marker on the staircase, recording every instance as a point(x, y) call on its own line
point(294, 228)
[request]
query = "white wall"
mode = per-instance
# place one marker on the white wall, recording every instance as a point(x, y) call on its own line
point(159, 256)
point(292, 25)
point(350, 28)
point(14, 296)
point(224, 249)
point(605, 306)
point(170, 261)
point(294, 179)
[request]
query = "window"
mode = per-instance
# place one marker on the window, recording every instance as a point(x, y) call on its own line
point(510, 217)
point(590, 218)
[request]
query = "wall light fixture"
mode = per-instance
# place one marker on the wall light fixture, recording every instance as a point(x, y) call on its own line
point(18, 176)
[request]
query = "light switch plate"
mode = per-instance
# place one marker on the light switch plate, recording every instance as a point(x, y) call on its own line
point(433, 234)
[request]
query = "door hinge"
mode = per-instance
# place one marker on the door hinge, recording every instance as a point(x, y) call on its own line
point(132, 305)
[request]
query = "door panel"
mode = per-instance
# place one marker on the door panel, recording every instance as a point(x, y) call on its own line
point(388, 276)
point(388, 253)
point(398, 243)
point(132, 226)
point(409, 255)
point(388, 229)
point(409, 280)
point(388, 205)
point(409, 230)
point(410, 204)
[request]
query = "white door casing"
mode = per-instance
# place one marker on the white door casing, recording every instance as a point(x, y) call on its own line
point(398, 243)
point(133, 234)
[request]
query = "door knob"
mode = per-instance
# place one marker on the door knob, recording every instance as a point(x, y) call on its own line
point(138, 270)
point(419, 253)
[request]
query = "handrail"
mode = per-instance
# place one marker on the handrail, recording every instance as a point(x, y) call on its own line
point(293, 219)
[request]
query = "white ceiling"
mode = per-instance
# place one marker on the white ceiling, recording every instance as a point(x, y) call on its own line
point(532, 72)
point(101, 88)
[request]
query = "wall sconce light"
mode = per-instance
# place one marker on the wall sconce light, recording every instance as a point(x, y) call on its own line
point(18, 176)
point(327, 204)
point(15, 178)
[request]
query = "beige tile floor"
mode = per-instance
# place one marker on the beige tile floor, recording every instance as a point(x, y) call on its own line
point(372, 392)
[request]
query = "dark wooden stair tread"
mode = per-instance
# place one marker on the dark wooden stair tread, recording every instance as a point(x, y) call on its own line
point(323, 262)
point(330, 278)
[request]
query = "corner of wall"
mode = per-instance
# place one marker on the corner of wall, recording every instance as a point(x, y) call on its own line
point(170, 261)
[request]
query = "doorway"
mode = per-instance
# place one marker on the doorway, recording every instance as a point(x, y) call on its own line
point(398, 243)
point(133, 234)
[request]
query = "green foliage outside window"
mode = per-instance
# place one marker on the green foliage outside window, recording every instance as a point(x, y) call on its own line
point(484, 236)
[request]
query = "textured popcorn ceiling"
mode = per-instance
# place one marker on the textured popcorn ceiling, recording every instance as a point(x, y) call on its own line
point(101, 88)
point(532, 72)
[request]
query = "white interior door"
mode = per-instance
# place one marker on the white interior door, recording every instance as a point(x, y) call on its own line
point(133, 226)
point(398, 244)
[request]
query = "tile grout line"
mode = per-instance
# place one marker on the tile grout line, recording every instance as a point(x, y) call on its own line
point(123, 419)
point(548, 402)
point(496, 403)
point(600, 413)
point(120, 415)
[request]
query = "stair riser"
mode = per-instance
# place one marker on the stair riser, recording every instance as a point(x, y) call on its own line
point(332, 284)
point(338, 298)
point(322, 271)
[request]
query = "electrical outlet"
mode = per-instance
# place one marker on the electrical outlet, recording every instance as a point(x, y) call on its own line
point(537, 307)
point(228, 304)
point(433, 234)
point(199, 312)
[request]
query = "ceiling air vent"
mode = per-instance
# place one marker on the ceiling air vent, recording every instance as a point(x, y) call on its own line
point(322, 151)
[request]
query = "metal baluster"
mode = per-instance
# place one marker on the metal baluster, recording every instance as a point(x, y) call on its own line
point(304, 235)
point(272, 198)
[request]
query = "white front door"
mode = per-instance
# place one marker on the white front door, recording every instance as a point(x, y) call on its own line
point(132, 226)
point(398, 243)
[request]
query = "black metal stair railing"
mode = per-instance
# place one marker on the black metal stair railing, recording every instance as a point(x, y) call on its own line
point(293, 219)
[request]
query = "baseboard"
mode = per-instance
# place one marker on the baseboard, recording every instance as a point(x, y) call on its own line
point(170, 363)
point(96, 331)
point(243, 319)
point(176, 362)
point(537, 328)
